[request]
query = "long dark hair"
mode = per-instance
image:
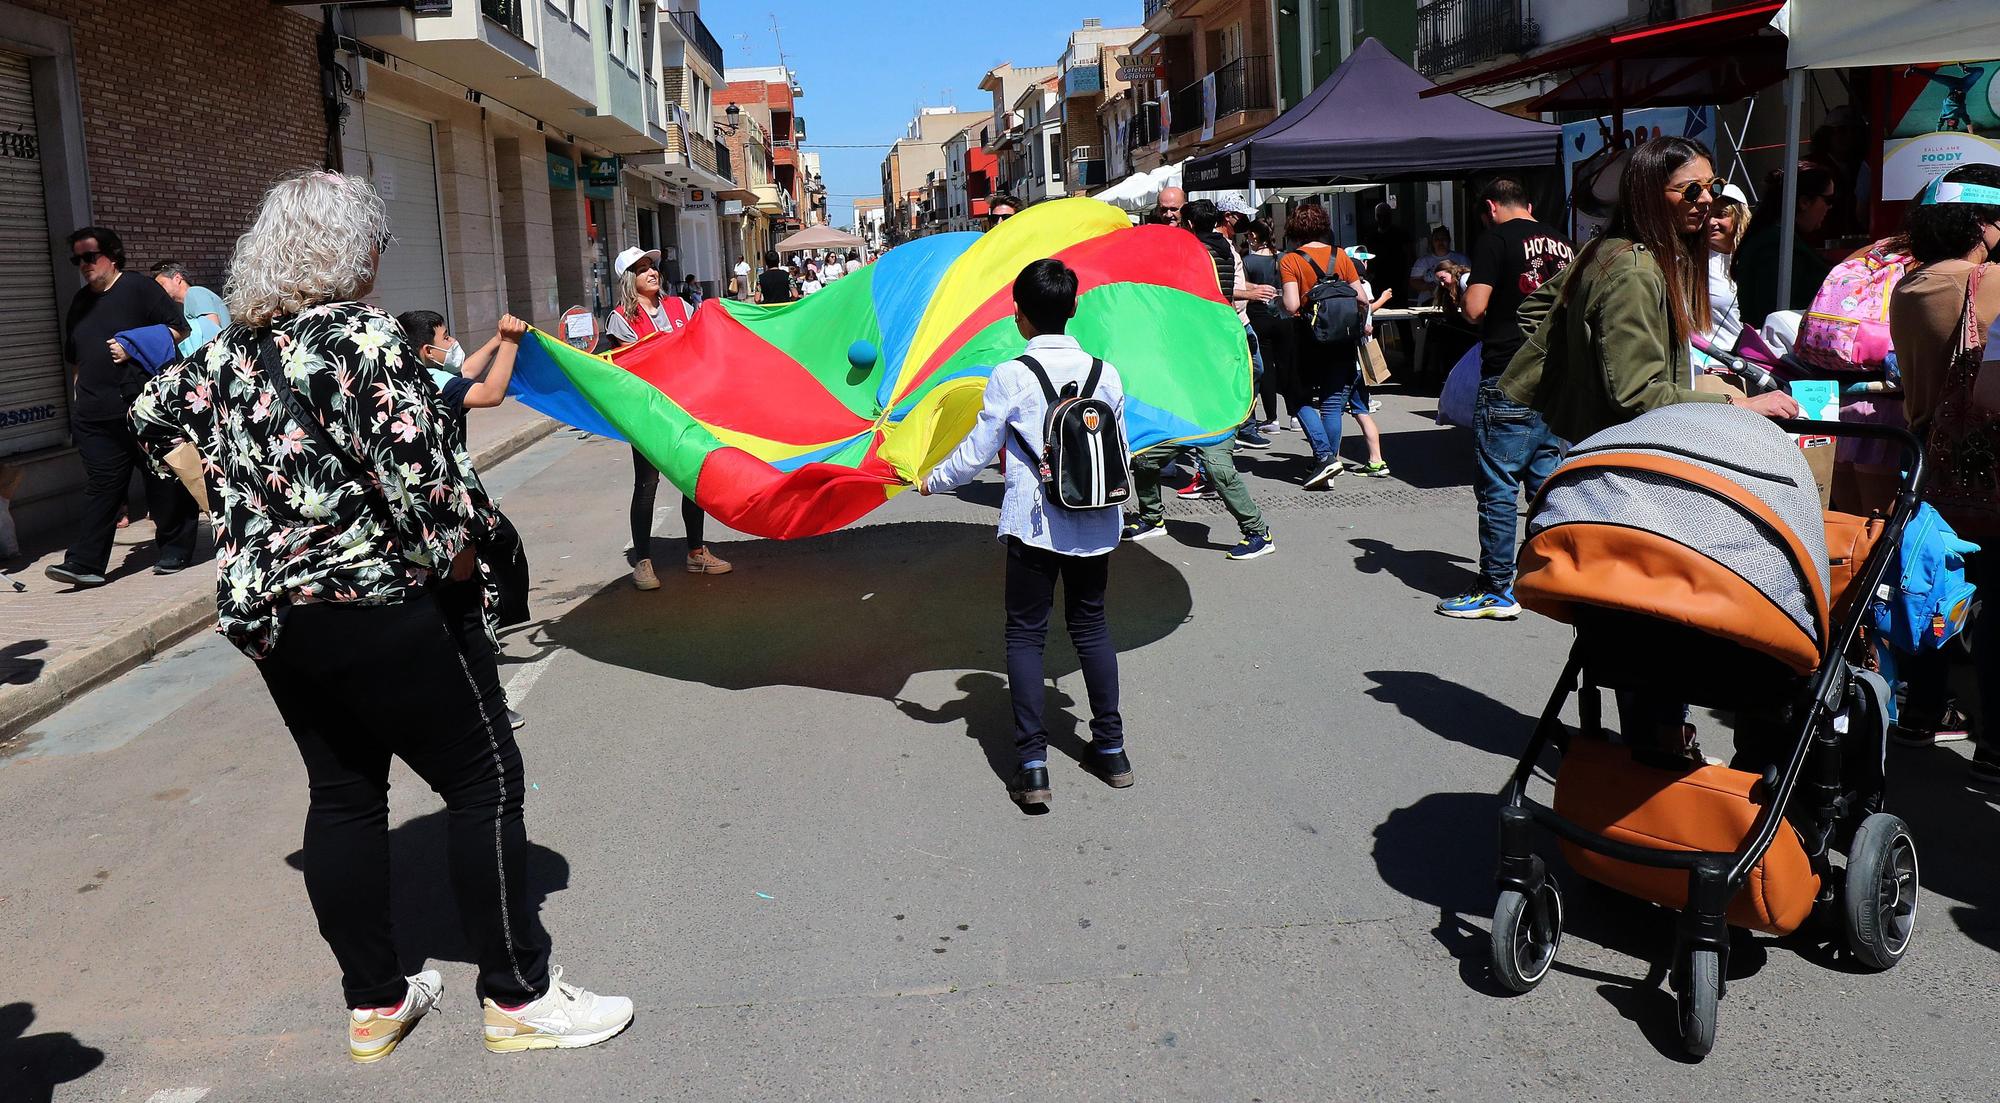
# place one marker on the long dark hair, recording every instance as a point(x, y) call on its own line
point(1645, 215)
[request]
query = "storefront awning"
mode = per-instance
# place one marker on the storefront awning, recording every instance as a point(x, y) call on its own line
point(1717, 57)
point(1827, 34)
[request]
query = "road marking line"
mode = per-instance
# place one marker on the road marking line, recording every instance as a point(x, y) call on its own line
point(178, 1095)
point(525, 678)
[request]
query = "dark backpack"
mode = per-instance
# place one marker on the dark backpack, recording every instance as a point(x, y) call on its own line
point(1332, 311)
point(1082, 461)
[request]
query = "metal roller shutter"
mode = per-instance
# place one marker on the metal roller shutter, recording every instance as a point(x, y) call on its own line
point(399, 154)
point(34, 384)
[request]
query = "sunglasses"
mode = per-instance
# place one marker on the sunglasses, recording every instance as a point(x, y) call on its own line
point(999, 217)
point(641, 268)
point(78, 260)
point(1693, 188)
point(1170, 210)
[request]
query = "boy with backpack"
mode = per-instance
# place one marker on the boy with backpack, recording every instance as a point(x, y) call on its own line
point(1058, 413)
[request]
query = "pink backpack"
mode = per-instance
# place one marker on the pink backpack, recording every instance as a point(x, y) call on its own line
point(1847, 329)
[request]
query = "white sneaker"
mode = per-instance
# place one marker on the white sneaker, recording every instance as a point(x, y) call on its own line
point(371, 1035)
point(566, 1017)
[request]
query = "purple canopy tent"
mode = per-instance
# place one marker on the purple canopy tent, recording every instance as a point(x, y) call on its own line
point(1367, 123)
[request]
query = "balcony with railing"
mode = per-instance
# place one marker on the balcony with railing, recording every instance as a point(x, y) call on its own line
point(1153, 8)
point(1457, 34)
point(1184, 110)
point(698, 36)
point(1244, 85)
point(1144, 129)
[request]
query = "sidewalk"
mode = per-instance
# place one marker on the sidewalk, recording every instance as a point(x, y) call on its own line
point(57, 643)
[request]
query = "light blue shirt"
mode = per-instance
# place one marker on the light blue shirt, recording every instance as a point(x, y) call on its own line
point(1014, 400)
point(201, 301)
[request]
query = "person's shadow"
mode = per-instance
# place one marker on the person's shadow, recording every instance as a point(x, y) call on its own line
point(16, 668)
point(1438, 573)
point(1458, 713)
point(986, 710)
point(857, 611)
point(31, 1065)
point(423, 911)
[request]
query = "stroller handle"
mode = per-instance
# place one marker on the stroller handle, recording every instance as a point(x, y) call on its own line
point(1913, 449)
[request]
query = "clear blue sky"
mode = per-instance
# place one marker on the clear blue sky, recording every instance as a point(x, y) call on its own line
point(865, 67)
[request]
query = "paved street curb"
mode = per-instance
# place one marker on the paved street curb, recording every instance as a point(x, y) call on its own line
point(168, 623)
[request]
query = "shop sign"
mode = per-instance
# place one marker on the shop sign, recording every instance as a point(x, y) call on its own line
point(699, 199)
point(562, 173)
point(1140, 67)
point(600, 177)
point(732, 208)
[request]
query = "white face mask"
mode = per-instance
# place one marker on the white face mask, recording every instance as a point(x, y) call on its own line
point(454, 357)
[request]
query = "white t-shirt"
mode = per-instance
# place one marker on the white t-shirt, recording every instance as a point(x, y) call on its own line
point(853, 266)
point(1725, 314)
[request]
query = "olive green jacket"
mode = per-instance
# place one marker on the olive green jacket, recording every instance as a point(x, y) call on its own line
point(1602, 352)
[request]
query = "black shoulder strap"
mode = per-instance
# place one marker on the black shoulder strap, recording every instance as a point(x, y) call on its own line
point(1307, 257)
point(281, 389)
point(1041, 376)
point(1090, 381)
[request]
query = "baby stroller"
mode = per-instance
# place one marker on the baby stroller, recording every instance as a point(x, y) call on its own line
point(1689, 550)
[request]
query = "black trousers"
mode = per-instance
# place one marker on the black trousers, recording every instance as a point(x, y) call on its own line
point(110, 452)
point(1032, 574)
point(645, 491)
point(358, 684)
point(1275, 339)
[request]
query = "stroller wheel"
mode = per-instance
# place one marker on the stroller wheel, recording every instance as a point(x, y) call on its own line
point(1698, 999)
point(1880, 902)
point(1526, 932)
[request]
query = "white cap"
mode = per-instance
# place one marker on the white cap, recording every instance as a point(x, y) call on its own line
point(1735, 194)
point(1235, 204)
point(631, 256)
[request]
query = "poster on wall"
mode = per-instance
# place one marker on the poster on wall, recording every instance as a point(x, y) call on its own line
point(1942, 116)
point(1593, 157)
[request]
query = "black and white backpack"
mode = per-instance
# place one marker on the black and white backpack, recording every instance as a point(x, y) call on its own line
point(1082, 462)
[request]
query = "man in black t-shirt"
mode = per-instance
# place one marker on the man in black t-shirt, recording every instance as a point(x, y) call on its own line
point(774, 284)
point(109, 304)
point(1516, 256)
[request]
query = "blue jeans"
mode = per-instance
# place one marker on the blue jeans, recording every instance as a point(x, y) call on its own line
point(1328, 391)
point(1515, 449)
point(1256, 379)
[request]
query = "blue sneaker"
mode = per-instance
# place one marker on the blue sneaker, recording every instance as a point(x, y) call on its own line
point(1138, 528)
point(1481, 604)
point(1250, 547)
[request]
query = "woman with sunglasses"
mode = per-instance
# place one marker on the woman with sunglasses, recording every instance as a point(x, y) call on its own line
point(1757, 257)
point(1610, 340)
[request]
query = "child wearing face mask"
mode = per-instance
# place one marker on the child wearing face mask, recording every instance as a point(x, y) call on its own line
point(466, 382)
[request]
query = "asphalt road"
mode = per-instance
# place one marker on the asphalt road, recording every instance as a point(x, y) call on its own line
point(770, 808)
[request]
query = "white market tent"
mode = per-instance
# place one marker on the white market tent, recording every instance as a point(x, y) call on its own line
point(1837, 34)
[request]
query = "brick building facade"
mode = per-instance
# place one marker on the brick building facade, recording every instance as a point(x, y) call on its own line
point(164, 122)
point(189, 112)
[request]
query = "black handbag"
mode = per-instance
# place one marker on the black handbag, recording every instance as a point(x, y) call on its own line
point(500, 549)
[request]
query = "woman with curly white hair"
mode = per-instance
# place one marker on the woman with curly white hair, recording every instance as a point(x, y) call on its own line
point(342, 511)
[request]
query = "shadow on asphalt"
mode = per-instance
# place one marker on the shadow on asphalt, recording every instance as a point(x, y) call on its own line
point(1440, 574)
point(987, 711)
point(1955, 822)
point(857, 611)
point(424, 911)
point(32, 1065)
point(16, 668)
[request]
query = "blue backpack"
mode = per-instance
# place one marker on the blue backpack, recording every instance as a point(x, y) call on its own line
point(1925, 599)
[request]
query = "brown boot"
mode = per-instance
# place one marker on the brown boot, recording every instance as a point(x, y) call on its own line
point(703, 561)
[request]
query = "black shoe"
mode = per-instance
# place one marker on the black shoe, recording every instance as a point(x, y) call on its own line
point(1114, 768)
point(173, 566)
point(75, 575)
point(1030, 786)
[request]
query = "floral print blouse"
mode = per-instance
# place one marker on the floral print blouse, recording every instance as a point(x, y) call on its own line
point(290, 524)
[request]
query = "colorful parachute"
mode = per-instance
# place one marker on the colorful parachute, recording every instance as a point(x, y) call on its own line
point(793, 420)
